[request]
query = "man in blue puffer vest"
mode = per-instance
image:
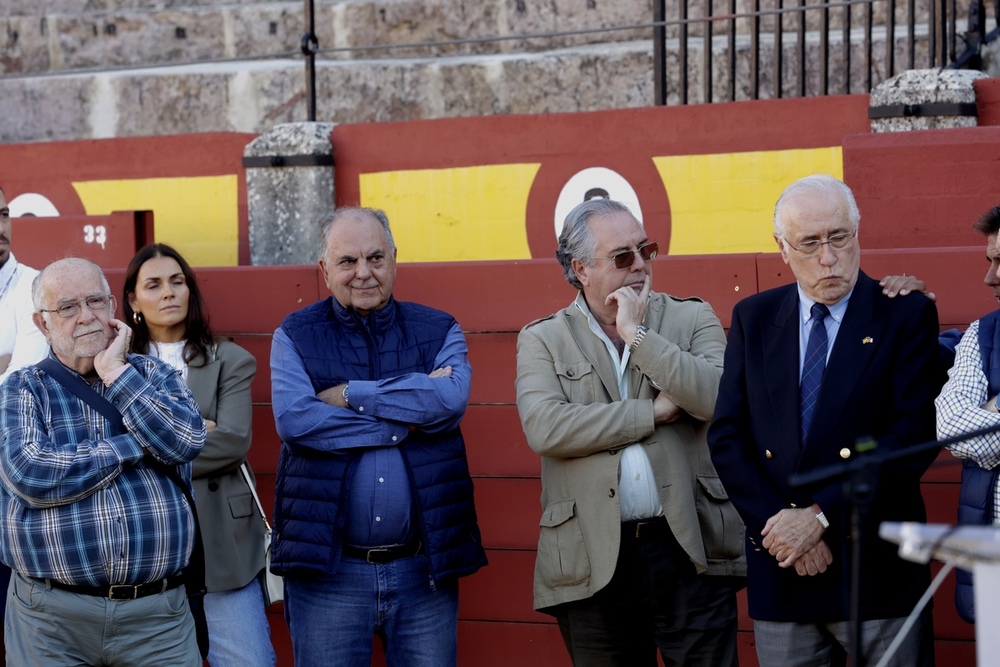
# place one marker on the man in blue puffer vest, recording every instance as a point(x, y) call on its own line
point(968, 402)
point(374, 515)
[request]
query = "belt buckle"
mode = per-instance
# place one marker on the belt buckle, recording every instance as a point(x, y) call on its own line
point(122, 592)
point(643, 524)
point(380, 550)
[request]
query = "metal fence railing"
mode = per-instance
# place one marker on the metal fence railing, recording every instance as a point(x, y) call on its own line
point(727, 50)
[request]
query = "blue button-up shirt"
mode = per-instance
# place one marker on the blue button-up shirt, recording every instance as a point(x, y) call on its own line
point(77, 502)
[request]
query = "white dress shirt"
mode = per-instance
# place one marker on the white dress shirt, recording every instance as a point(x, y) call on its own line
point(19, 337)
point(637, 496)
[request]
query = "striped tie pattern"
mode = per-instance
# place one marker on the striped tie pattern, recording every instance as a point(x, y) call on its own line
point(813, 366)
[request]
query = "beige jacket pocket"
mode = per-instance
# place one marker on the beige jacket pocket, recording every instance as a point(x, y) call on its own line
point(562, 554)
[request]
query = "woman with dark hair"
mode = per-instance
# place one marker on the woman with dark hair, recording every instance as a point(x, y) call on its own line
point(164, 307)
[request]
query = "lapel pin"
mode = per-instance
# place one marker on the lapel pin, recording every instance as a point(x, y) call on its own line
point(867, 339)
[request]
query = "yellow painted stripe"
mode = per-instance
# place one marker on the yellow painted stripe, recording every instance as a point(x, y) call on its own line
point(725, 203)
point(453, 215)
point(196, 215)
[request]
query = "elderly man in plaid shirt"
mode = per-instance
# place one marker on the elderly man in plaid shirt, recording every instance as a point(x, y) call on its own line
point(92, 524)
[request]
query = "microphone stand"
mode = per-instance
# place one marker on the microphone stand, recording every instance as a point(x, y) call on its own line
point(861, 479)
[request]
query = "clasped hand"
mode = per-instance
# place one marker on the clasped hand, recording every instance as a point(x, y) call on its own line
point(793, 537)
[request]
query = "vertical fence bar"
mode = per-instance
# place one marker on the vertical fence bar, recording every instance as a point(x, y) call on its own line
point(869, 59)
point(659, 53)
point(755, 51)
point(911, 28)
point(777, 51)
point(824, 50)
point(847, 49)
point(948, 44)
point(732, 51)
point(801, 48)
point(682, 50)
point(890, 39)
point(932, 32)
point(309, 47)
point(707, 52)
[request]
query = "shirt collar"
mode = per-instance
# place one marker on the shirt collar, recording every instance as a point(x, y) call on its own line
point(837, 310)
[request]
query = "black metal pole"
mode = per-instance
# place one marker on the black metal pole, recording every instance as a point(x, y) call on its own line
point(659, 53)
point(310, 45)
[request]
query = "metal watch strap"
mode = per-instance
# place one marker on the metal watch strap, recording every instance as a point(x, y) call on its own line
point(820, 516)
point(640, 333)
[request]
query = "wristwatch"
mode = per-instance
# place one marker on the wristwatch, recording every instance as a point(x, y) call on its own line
point(640, 333)
point(821, 517)
point(345, 393)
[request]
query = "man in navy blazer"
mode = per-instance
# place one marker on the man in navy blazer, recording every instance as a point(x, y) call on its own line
point(878, 383)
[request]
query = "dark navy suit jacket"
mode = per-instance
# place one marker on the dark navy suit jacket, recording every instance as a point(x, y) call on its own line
point(881, 381)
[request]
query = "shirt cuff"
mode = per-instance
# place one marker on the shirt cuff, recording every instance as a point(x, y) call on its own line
point(114, 375)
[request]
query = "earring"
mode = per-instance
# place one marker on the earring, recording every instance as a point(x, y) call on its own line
point(137, 318)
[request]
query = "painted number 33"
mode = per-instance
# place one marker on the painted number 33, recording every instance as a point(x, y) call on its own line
point(95, 234)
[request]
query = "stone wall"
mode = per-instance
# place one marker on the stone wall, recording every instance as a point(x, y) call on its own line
point(147, 67)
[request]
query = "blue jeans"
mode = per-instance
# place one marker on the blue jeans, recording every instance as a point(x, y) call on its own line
point(239, 633)
point(332, 621)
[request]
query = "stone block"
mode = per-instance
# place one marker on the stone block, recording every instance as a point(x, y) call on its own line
point(363, 23)
point(115, 39)
point(532, 17)
point(152, 102)
point(924, 86)
point(256, 30)
point(286, 204)
point(59, 110)
point(24, 45)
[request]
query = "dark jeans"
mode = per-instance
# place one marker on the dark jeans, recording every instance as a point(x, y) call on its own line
point(654, 600)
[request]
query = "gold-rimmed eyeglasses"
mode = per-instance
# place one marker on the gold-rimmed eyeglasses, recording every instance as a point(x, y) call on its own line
point(626, 258)
point(94, 303)
point(837, 241)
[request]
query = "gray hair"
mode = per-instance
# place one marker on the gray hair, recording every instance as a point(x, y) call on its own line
point(37, 296)
point(378, 214)
point(816, 183)
point(576, 241)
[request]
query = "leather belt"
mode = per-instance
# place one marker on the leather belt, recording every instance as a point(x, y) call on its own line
point(644, 527)
point(121, 591)
point(378, 555)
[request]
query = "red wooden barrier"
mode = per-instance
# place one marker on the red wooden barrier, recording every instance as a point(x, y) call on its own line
point(108, 240)
point(492, 301)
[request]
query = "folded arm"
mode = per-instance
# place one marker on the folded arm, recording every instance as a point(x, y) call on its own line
point(227, 444)
point(965, 405)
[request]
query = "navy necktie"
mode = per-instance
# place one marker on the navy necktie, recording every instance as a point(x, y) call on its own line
point(813, 366)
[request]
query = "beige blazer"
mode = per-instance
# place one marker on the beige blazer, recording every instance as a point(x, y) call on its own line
point(573, 416)
point(231, 527)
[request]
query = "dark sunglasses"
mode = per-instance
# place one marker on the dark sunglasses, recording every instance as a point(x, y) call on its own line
point(626, 258)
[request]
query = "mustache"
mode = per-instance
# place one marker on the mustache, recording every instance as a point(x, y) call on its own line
point(5, 238)
point(79, 333)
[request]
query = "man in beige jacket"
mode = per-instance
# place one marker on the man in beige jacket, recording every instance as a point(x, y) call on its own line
point(640, 547)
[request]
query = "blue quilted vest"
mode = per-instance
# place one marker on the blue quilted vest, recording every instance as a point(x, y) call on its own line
point(975, 498)
point(336, 346)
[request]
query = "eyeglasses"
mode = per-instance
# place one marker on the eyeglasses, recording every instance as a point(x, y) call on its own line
point(811, 247)
point(93, 303)
point(626, 258)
